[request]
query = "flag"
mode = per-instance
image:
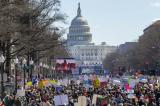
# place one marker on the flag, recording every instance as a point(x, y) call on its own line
point(34, 81)
point(58, 89)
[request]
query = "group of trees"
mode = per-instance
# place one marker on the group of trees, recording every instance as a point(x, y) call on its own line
point(143, 55)
point(28, 28)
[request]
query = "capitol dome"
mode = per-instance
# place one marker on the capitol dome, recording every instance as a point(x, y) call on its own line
point(79, 31)
point(79, 21)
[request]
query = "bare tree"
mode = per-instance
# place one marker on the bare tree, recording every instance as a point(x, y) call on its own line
point(28, 27)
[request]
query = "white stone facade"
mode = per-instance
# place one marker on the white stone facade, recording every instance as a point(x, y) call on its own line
point(90, 54)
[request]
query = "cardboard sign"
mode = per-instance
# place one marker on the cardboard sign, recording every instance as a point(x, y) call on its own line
point(61, 100)
point(132, 83)
point(82, 101)
point(116, 82)
point(65, 82)
point(131, 96)
point(20, 92)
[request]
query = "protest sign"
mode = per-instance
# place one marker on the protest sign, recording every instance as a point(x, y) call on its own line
point(102, 79)
point(131, 96)
point(96, 83)
point(53, 81)
point(61, 100)
point(82, 101)
point(20, 92)
point(78, 82)
point(132, 83)
point(65, 82)
point(116, 82)
point(29, 83)
point(40, 84)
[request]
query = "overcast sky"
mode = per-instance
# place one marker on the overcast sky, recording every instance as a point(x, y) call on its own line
point(114, 21)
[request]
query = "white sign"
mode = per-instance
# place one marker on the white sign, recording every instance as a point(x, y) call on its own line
point(132, 83)
point(102, 79)
point(65, 82)
point(20, 92)
point(61, 100)
point(131, 96)
point(116, 82)
point(78, 82)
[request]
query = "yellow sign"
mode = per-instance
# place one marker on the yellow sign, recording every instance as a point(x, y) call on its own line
point(53, 81)
point(96, 83)
point(29, 83)
point(40, 84)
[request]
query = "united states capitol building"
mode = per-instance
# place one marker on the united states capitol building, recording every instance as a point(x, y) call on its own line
point(80, 45)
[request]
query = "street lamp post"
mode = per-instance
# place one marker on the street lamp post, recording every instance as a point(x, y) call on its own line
point(47, 68)
point(40, 64)
point(2, 59)
point(44, 65)
point(53, 72)
point(31, 63)
point(24, 68)
point(16, 61)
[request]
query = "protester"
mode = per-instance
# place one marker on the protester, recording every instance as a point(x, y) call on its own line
point(110, 94)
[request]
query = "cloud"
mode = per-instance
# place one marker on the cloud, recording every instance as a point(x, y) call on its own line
point(155, 4)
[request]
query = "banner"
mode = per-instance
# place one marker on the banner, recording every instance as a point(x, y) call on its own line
point(65, 64)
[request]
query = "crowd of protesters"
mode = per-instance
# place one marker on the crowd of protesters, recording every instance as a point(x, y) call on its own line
point(145, 94)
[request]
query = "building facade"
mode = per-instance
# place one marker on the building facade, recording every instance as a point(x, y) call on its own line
point(90, 54)
point(80, 45)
